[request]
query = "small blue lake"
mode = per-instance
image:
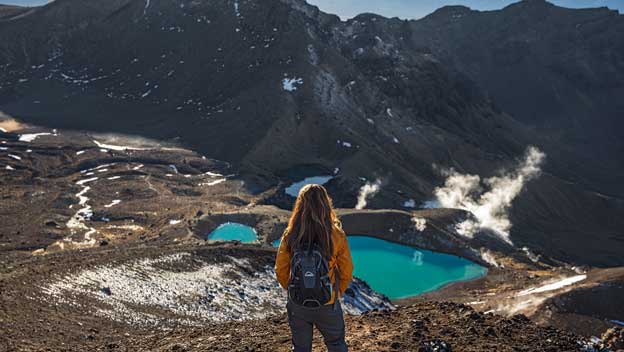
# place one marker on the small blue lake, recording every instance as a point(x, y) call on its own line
point(400, 271)
point(232, 231)
point(293, 190)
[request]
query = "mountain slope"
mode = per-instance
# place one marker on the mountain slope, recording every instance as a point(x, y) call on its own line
point(282, 90)
point(559, 70)
point(212, 74)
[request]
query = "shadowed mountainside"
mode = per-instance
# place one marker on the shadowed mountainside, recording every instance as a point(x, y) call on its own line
point(558, 70)
point(277, 86)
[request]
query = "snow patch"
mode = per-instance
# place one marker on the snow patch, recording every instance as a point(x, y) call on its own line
point(117, 147)
point(291, 84)
point(206, 293)
point(30, 137)
point(88, 171)
point(82, 182)
point(147, 5)
point(154, 292)
point(126, 227)
point(113, 203)
point(81, 196)
point(475, 303)
point(556, 285)
point(237, 9)
point(344, 143)
point(213, 183)
point(293, 190)
point(78, 220)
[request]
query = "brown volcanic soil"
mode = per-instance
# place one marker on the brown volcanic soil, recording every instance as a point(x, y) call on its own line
point(40, 194)
point(30, 324)
point(407, 329)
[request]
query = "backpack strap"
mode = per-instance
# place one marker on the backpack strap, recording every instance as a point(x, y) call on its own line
point(336, 288)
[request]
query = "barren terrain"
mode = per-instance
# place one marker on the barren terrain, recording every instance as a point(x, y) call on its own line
point(103, 243)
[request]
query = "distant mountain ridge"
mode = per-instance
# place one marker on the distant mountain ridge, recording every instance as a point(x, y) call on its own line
point(277, 87)
point(555, 69)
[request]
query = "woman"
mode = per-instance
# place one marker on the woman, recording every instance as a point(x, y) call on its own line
point(314, 227)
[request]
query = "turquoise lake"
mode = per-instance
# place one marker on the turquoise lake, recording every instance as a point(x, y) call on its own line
point(232, 231)
point(393, 269)
point(400, 271)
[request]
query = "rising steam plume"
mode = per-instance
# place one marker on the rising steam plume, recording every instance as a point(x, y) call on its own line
point(490, 204)
point(368, 190)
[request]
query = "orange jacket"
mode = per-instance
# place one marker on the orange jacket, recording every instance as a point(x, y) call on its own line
point(341, 259)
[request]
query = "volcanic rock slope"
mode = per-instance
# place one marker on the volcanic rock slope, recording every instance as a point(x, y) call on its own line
point(272, 86)
point(267, 85)
point(557, 69)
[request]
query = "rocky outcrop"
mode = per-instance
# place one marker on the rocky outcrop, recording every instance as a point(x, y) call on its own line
point(614, 338)
point(359, 298)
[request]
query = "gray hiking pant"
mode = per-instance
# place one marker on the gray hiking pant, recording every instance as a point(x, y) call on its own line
point(327, 319)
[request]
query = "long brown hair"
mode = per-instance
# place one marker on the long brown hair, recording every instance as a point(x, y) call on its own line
point(312, 221)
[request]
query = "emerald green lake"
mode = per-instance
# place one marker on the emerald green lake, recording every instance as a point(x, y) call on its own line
point(400, 271)
point(232, 231)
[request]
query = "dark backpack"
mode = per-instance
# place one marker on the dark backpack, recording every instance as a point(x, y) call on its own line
point(309, 285)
